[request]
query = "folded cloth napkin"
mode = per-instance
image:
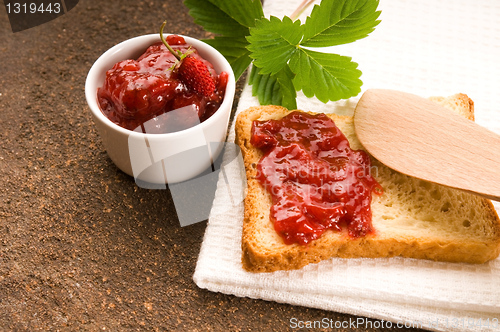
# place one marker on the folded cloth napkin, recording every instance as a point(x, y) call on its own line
point(426, 48)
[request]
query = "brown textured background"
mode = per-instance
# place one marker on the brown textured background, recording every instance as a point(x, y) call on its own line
point(82, 248)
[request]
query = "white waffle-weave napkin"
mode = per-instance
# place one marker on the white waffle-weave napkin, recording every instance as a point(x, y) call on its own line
point(428, 48)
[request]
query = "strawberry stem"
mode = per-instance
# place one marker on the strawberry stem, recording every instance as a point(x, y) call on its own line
point(177, 56)
point(303, 6)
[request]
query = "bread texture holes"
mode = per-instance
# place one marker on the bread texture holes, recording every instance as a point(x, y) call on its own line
point(429, 219)
point(424, 184)
point(399, 181)
point(436, 194)
point(446, 207)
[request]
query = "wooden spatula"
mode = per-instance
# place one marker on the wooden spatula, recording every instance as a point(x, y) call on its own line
point(420, 138)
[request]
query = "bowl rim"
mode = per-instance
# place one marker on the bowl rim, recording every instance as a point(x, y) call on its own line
point(91, 88)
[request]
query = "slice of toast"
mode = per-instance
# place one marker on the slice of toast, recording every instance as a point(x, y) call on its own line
point(413, 218)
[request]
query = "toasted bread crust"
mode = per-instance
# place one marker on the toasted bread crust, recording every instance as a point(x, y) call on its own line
point(460, 102)
point(264, 251)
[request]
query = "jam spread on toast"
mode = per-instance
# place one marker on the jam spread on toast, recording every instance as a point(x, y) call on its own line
point(316, 181)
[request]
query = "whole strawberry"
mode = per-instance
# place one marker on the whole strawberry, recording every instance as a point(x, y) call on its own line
point(192, 72)
point(196, 76)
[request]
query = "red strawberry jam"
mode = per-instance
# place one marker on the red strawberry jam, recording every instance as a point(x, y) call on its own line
point(142, 94)
point(316, 181)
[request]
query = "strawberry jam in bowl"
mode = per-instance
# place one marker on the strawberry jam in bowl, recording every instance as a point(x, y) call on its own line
point(137, 91)
point(162, 116)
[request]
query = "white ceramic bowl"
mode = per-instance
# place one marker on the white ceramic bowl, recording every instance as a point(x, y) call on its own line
point(160, 158)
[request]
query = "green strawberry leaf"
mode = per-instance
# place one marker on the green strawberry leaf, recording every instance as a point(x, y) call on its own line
point(284, 79)
point(281, 64)
point(324, 75)
point(214, 20)
point(226, 18)
point(273, 42)
point(245, 12)
point(274, 89)
point(234, 50)
point(336, 22)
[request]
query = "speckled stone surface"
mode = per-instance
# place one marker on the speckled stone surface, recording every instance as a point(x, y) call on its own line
point(82, 248)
